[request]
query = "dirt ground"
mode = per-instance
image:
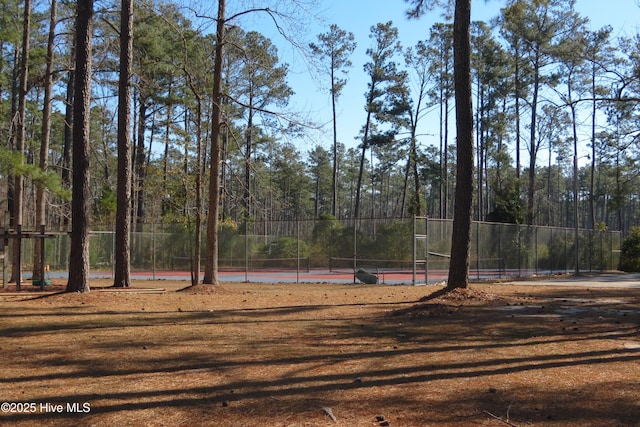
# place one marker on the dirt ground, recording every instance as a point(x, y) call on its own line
point(248, 354)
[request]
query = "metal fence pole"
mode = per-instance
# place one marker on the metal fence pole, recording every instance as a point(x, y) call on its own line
point(501, 261)
point(297, 251)
point(519, 230)
point(414, 244)
point(478, 250)
point(153, 255)
point(566, 259)
point(355, 248)
point(113, 253)
point(535, 248)
point(425, 260)
point(551, 250)
point(426, 250)
point(246, 251)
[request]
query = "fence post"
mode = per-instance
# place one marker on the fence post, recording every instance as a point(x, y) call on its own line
point(355, 248)
point(611, 253)
point(551, 250)
point(414, 247)
point(478, 250)
point(519, 250)
point(246, 251)
point(566, 259)
point(535, 248)
point(426, 250)
point(502, 264)
point(419, 236)
point(297, 250)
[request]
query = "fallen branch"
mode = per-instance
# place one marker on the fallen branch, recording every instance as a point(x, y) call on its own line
point(329, 413)
point(500, 419)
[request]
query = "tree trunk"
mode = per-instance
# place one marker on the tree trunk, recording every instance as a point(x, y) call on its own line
point(480, 147)
point(334, 179)
point(441, 193)
point(68, 126)
point(195, 276)
point(196, 263)
point(445, 161)
point(122, 273)
point(365, 143)
point(20, 144)
point(592, 168)
point(65, 175)
point(15, 72)
point(81, 195)
point(139, 164)
point(248, 205)
point(167, 138)
point(41, 200)
point(516, 78)
point(576, 225)
point(356, 209)
point(461, 237)
point(211, 262)
point(533, 144)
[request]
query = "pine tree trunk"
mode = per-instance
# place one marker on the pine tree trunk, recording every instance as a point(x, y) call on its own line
point(68, 126)
point(211, 262)
point(41, 200)
point(122, 273)
point(334, 153)
point(81, 196)
point(18, 188)
point(461, 238)
point(139, 158)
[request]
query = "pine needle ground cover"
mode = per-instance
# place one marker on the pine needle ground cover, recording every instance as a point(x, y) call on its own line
point(243, 354)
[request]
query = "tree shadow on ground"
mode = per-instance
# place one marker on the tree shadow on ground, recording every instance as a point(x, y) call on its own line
point(440, 363)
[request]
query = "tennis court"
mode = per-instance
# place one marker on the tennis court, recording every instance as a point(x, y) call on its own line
point(285, 276)
point(395, 251)
point(314, 275)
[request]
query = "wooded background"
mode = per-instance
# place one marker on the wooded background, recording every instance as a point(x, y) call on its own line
point(545, 83)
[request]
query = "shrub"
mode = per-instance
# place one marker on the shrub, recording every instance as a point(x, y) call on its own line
point(630, 254)
point(325, 228)
point(328, 240)
point(392, 242)
point(279, 253)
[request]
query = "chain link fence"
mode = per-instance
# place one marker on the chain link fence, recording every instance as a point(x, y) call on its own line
point(417, 244)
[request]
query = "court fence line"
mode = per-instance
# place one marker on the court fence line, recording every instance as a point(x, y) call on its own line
point(420, 245)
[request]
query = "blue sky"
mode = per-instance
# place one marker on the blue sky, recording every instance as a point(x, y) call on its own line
point(357, 16)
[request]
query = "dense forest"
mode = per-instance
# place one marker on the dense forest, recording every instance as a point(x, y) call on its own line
point(545, 85)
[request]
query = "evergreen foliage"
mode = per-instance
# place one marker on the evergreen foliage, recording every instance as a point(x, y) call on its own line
point(630, 255)
point(273, 168)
